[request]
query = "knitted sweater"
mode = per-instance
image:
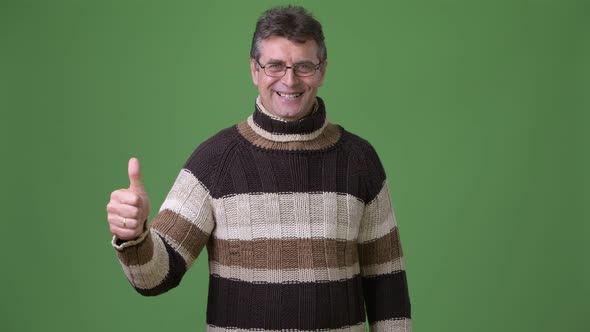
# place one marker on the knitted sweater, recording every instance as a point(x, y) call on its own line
point(298, 225)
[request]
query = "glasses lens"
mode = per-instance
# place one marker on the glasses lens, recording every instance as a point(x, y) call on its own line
point(274, 69)
point(305, 69)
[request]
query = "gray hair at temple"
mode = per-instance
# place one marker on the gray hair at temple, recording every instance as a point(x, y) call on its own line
point(291, 22)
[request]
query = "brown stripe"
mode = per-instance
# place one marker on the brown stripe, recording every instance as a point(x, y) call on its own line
point(180, 230)
point(329, 136)
point(277, 254)
point(138, 254)
point(385, 249)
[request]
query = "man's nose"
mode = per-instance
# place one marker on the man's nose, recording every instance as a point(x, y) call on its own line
point(290, 79)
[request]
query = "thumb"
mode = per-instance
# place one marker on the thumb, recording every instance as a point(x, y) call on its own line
point(134, 175)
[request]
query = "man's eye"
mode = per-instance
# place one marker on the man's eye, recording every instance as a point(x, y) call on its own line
point(275, 67)
point(305, 67)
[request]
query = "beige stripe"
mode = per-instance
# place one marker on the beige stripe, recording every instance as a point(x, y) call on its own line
point(392, 325)
point(354, 328)
point(382, 250)
point(152, 273)
point(288, 215)
point(190, 199)
point(285, 137)
point(234, 214)
point(378, 269)
point(379, 218)
point(138, 254)
point(328, 137)
point(185, 236)
point(278, 276)
point(131, 243)
point(284, 254)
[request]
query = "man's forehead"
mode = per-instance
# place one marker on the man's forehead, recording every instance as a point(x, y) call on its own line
point(281, 49)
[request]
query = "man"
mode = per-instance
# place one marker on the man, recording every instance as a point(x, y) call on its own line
point(295, 211)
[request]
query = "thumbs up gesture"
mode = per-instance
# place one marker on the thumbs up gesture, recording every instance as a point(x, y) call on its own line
point(128, 209)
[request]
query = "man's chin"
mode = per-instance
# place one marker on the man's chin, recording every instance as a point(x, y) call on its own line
point(287, 113)
point(290, 111)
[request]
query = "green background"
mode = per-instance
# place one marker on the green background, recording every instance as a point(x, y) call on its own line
point(478, 109)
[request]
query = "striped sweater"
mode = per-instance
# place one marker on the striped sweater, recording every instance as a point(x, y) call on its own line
point(299, 229)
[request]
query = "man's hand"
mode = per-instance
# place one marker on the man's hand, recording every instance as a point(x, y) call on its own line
point(129, 209)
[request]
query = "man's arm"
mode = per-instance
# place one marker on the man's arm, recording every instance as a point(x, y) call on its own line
point(381, 261)
point(155, 258)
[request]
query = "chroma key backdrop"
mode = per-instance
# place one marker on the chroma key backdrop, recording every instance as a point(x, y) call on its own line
point(478, 110)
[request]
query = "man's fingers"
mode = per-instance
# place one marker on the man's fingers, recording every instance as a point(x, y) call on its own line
point(125, 196)
point(124, 210)
point(123, 222)
point(124, 233)
point(134, 173)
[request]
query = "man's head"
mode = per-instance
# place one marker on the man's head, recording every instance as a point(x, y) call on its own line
point(288, 37)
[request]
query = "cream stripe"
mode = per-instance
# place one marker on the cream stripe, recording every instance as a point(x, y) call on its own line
point(377, 269)
point(272, 213)
point(278, 276)
point(151, 274)
point(285, 137)
point(301, 204)
point(354, 328)
point(303, 226)
point(288, 215)
point(189, 198)
point(379, 218)
point(392, 325)
point(131, 243)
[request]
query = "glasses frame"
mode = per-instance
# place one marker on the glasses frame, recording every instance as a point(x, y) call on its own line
point(297, 73)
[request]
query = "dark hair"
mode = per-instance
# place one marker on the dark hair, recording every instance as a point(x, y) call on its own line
point(292, 22)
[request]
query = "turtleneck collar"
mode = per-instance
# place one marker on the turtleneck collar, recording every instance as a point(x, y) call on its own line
point(279, 130)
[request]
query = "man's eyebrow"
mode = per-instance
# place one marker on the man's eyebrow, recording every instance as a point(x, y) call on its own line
point(295, 63)
point(275, 61)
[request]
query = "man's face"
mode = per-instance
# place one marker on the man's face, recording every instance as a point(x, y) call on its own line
point(289, 97)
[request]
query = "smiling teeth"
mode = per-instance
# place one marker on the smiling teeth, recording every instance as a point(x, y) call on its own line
point(289, 95)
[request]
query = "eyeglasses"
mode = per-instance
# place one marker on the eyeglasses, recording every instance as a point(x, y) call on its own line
point(303, 69)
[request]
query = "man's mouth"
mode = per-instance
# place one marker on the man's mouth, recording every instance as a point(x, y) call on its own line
point(289, 95)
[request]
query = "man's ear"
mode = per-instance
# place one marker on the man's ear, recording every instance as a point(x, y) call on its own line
point(254, 70)
point(323, 71)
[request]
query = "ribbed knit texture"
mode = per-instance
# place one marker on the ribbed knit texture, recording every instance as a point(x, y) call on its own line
point(298, 224)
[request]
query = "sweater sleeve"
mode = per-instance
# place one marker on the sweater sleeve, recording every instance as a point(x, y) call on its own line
point(381, 260)
point(156, 261)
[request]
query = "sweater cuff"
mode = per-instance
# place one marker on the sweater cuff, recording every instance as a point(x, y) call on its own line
point(120, 245)
point(395, 324)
